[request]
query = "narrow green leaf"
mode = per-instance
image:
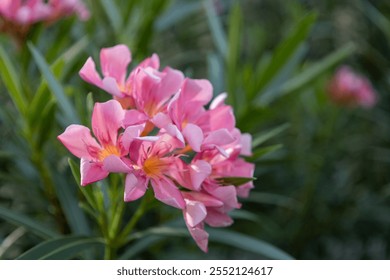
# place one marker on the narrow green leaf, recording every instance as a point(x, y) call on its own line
point(263, 151)
point(215, 25)
point(177, 13)
point(260, 138)
point(21, 220)
point(286, 49)
point(11, 81)
point(113, 14)
point(313, 72)
point(273, 199)
point(60, 249)
point(232, 58)
point(248, 243)
point(46, 124)
point(235, 181)
point(62, 100)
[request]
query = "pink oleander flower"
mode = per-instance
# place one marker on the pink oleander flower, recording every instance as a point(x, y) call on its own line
point(350, 89)
point(24, 12)
point(162, 136)
point(18, 16)
point(98, 159)
point(145, 88)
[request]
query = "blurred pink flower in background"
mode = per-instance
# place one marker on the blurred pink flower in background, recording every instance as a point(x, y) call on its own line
point(17, 16)
point(350, 89)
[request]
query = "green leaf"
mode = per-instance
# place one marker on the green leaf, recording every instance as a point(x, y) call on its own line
point(273, 199)
point(248, 243)
point(232, 59)
point(263, 151)
point(113, 14)
point(177, 13)
point(260, 138)
point(311, 73)
point(11, 81)
point(286, 49)
point(62, 100)
point(235, 181)
point(46, 124)
point(215, 25)
point(60, 249)
point(21, 220)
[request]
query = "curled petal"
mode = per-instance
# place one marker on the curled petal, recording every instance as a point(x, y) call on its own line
point(131, 133)
point(217, 219)
point(200, 236)
point(89, 74)
point(135, 187)
point(91, 172)
point(195, 212)
point(110, 85)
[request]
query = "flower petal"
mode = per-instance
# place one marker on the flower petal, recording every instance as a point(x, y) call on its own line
point(217, 219)
point(199, 171)
point(91, 172)
point(106, 120)
point(114, 62)
point(135, 187)
point(134, 117)
point(113, 163)
point(200, 236)
point(110, 85)
point(194, 136)
point(195, 212)
point(78, 140)
point(131, 133)
point(89, 74)
point(166, 191)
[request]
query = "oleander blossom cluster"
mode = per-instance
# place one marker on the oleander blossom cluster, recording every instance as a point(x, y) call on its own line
point(157, 131)
point(350, 89)
point(17, 16)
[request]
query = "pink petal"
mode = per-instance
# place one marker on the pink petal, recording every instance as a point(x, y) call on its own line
point(218, 101)
point(89, 74)
point(172, 130)
point(246, 144)
point(195, 213)
point(200, 236)
point(131, 133)
point(161, 120)
point(110, 85)
point(198, 90)
point(207, 200)
point(91, 172)
point(167, 192)
point(114, 164)
point(199, 171)
point(222, 117)
point(227, 194)
point(219, 137)
point(106, 120)
point(170, 84)
point(78, 140)
point(114, 62)
point(153, 62)
point(135, 187)
point(217, 219)
point(134, 117)
point(194, 136)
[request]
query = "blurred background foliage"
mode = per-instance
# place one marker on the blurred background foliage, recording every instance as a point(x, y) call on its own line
point(323, 188)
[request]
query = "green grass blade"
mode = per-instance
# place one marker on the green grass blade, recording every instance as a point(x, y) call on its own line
point(262, 137)
point(312, 72)
point(248, 243)
point(10, 79)
point(60, 249)
point(215, 25)
point(21, 220)
point(113, 14)
point(62, 100)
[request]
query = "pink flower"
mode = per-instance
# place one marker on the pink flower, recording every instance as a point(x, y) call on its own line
point(98, 159)
point(153, 162)
point(24, 12)
point(350, 89)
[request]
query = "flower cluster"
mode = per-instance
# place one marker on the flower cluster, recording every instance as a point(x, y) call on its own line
point(17, 16)
point(352, 90)
point(158, 132)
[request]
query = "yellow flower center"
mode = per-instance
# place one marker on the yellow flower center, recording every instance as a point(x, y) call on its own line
point(108, 151)
point(154, 166)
